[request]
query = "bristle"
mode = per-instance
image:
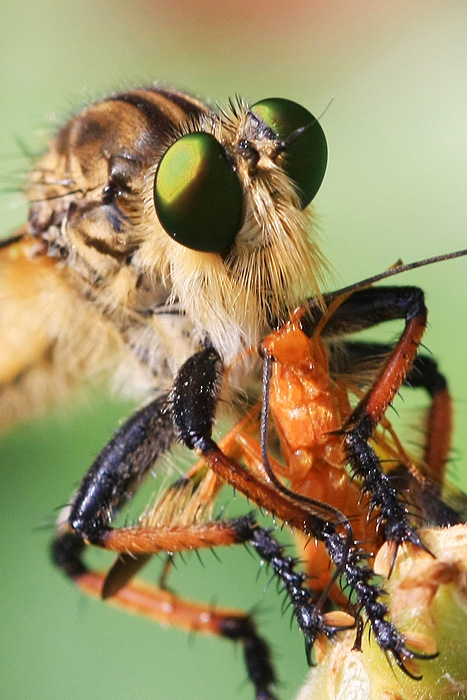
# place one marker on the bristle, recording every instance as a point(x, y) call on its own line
point(181, 505)
point(382, 563)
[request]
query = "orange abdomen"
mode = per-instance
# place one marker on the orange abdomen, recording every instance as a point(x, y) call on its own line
point(309, 409)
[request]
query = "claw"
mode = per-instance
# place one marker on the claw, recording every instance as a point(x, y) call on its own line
point(408, 666)
point(425, 645)
point(337, 621)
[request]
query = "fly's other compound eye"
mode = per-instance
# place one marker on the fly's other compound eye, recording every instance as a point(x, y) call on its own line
point(197, 194)
point(305, 148)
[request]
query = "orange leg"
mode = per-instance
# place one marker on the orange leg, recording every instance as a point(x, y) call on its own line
point(332, 488)
point(180, 520)
point(166, 608)
point(438, 444)
point(159, 605)
point(427, 475)
point(439, 432)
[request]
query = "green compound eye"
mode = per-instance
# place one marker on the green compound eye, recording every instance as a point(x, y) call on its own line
point(197, 194)
point(306, 156)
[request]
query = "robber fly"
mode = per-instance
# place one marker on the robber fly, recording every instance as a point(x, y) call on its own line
point(156, 224)
point(164, 240)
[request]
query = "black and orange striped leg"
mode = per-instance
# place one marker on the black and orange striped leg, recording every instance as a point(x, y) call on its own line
point(426, 375)
point(111, 480)
point(165, 607)
point(364, 309)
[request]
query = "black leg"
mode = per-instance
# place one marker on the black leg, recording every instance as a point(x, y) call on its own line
point(115, 474)
point(367, 308)
point(120, 468)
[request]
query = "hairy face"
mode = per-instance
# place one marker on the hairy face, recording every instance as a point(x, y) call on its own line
point(150, 198)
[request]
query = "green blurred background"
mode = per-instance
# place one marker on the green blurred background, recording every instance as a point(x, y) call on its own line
point(395, 188)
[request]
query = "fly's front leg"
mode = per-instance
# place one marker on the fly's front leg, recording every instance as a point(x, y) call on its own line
point(111, 480)
point(167, 608)
point(115, 474)
point(194, 400)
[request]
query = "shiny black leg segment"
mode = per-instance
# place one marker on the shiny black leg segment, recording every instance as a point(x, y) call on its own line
point(257, 656)
point(120, 468)
point(365, 465)
point(359, 577)
point(302, 598)
point(367, 308)
point(194, 396)
point(111, 480)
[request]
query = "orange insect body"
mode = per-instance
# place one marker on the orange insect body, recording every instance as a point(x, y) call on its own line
point(309, 408)
point(306, 403)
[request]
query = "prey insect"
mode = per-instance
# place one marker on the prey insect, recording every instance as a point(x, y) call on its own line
point(164, 238)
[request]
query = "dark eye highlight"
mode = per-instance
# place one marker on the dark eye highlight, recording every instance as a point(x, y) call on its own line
point(306, 156)
point(197, 194)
